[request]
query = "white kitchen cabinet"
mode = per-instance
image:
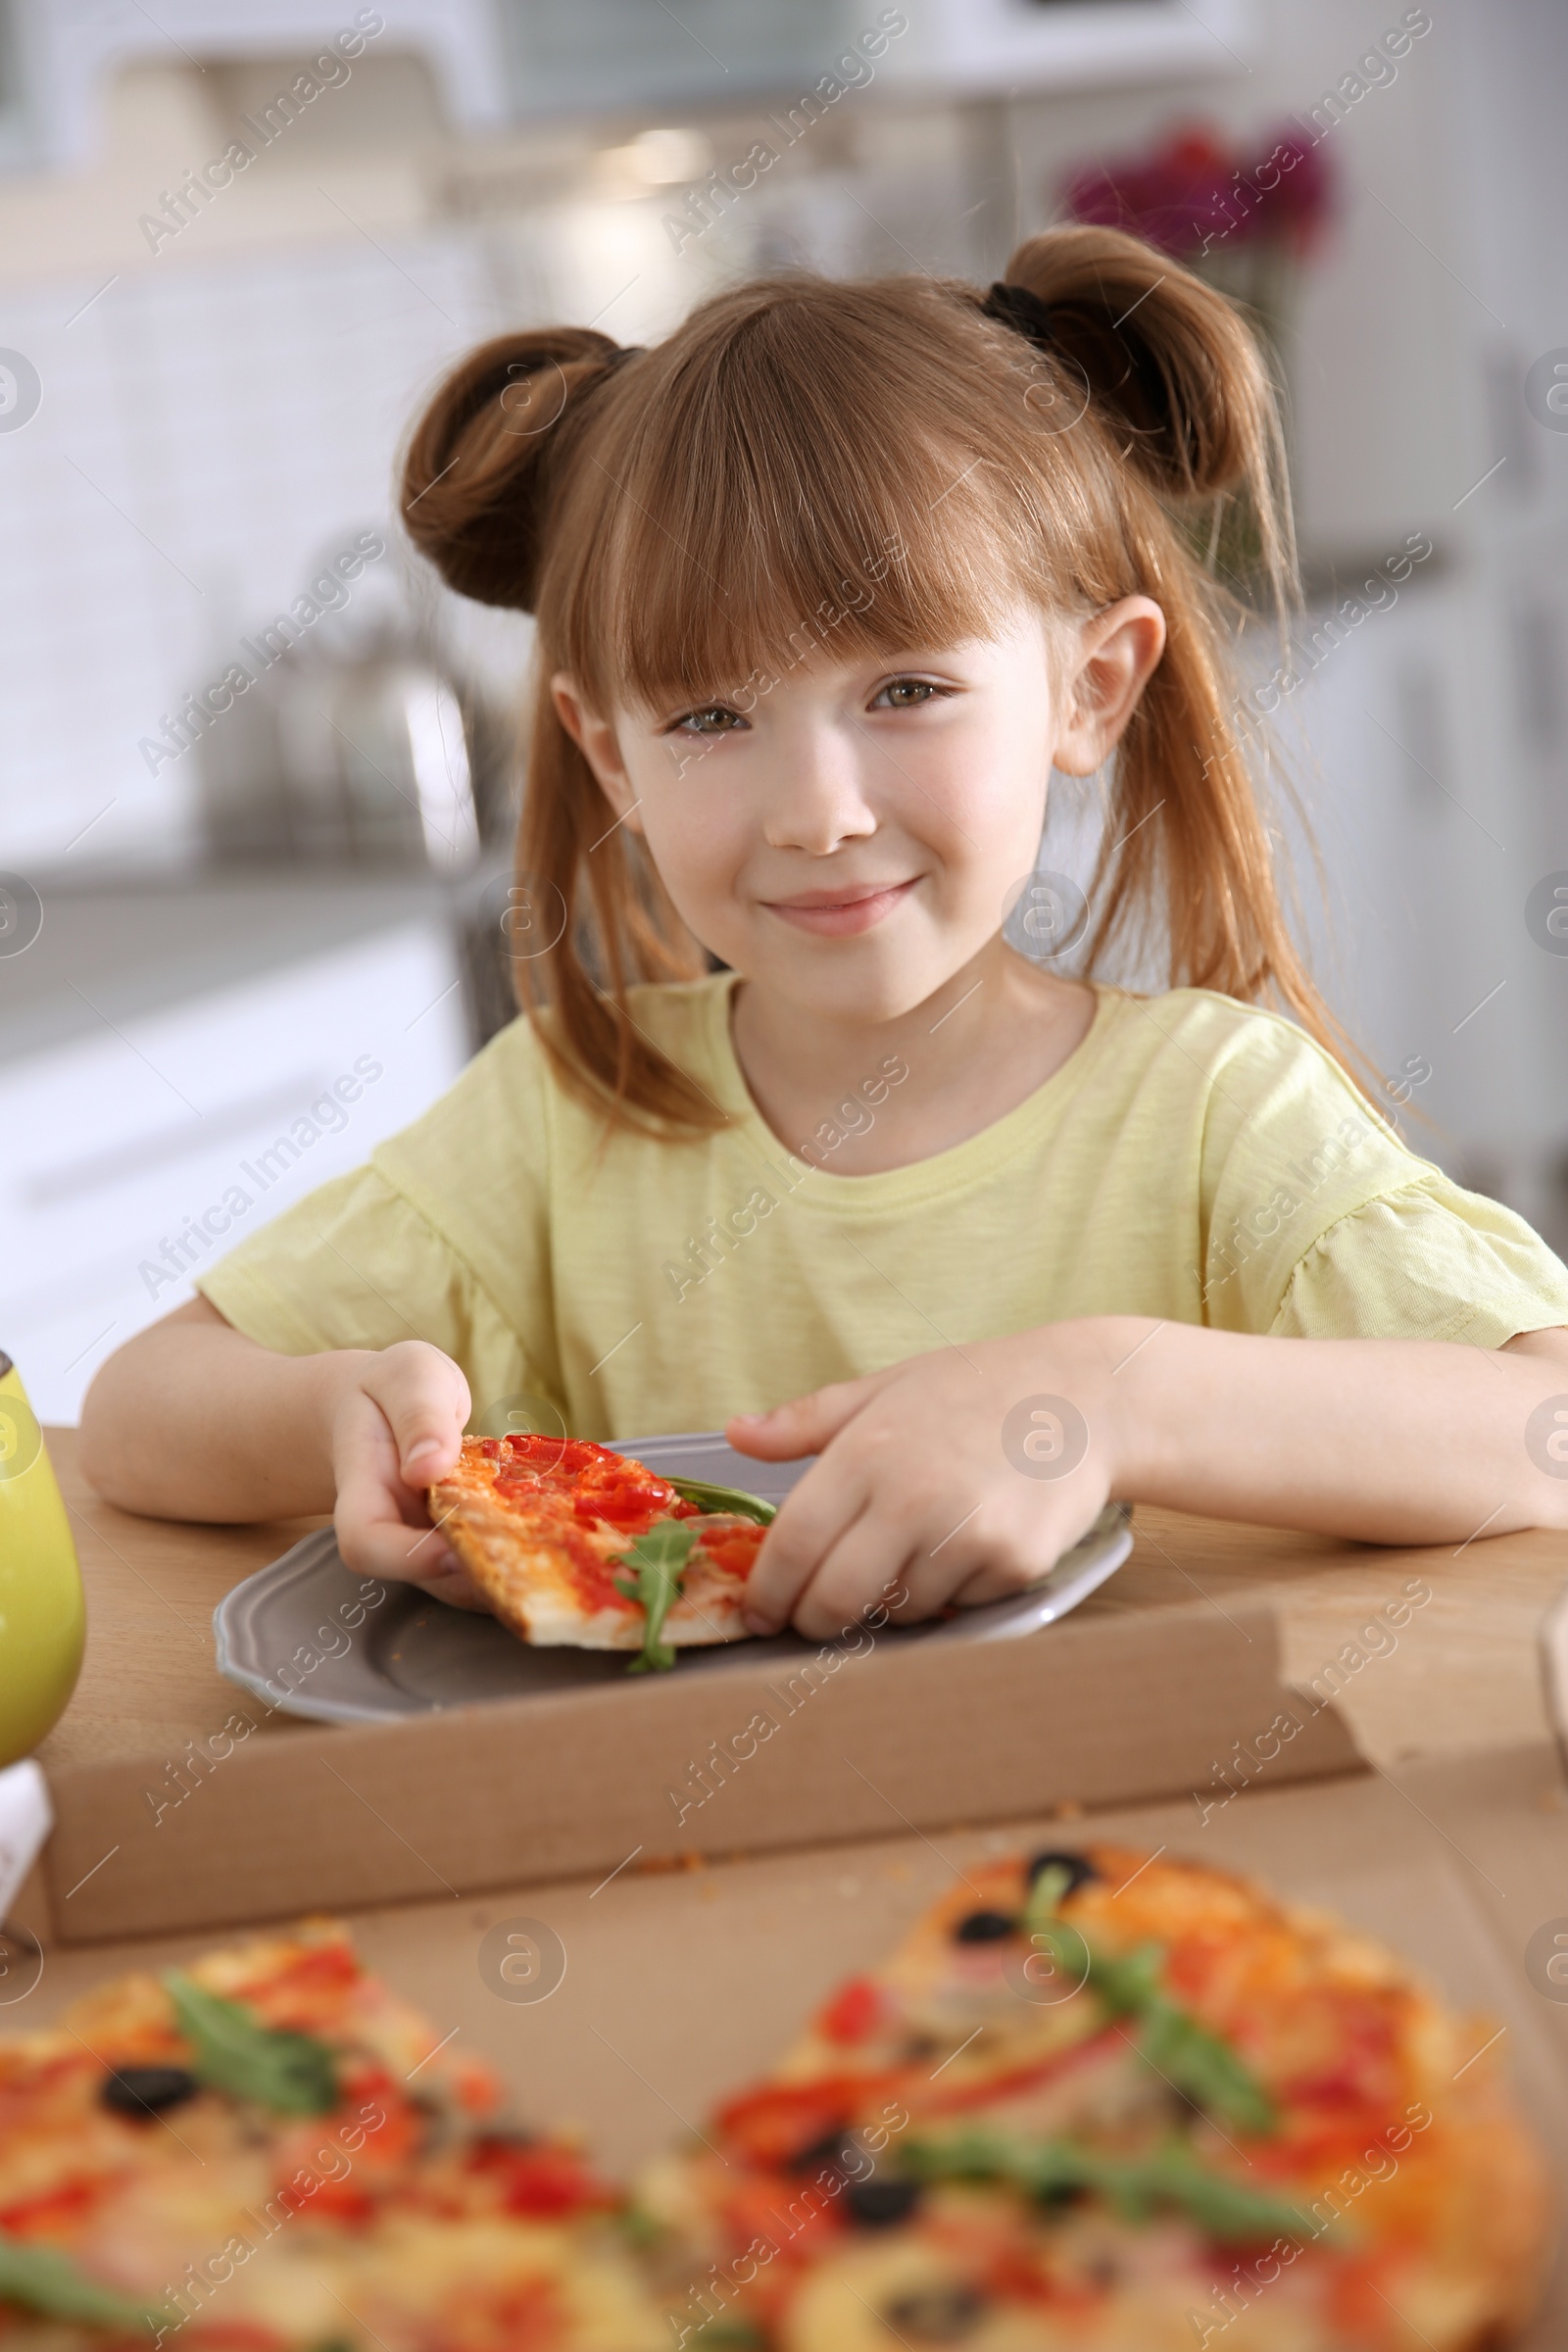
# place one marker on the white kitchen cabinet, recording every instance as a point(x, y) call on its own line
point(141, 1146)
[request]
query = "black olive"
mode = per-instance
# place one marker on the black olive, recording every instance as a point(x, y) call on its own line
point(1080, 1870)
point(880, 2204)
point(144, 2091)
point(936, 2315)
point(984, 1927)
point(836, 2149)
point(1063, 2192)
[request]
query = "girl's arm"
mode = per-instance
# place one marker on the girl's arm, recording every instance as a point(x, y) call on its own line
point(191, 1420)
point(963, 1476)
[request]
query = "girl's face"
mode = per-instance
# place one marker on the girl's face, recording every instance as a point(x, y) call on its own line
point(849, 837)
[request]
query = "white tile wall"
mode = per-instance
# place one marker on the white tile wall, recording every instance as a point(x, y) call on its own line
point(205, 436)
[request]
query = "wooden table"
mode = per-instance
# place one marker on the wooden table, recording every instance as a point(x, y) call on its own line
point(1463, 1675)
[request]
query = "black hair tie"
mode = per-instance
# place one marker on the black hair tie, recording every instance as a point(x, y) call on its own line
point(1023, 312)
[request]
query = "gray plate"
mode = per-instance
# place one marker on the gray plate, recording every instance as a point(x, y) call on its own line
point(312, 1639)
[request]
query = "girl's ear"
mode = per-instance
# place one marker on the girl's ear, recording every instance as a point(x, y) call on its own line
point(1118, 651)
point(597, 741)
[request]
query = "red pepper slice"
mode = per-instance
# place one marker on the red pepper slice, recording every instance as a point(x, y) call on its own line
point(854, 2013)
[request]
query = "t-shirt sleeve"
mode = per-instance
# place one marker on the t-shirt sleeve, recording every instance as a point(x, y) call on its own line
point(1428, 1261)
point(443, 1237)
point(1319, 1221)
point(353, 1265)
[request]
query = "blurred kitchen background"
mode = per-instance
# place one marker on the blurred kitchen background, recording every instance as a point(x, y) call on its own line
point(245, 932)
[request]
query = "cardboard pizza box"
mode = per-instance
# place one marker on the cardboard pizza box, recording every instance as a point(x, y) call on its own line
point(654, 1963)
point(846, 1741)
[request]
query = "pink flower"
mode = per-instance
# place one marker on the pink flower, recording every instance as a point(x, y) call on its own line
point(1192, 193)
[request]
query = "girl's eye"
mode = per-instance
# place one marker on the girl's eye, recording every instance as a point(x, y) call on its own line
point(906, 694)
point(712, 719)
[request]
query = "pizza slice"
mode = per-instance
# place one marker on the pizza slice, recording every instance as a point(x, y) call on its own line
point(1102, 2098)
point(574, 1545)
point(270, 2152)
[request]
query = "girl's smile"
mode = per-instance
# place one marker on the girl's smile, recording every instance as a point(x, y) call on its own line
point(839, 913)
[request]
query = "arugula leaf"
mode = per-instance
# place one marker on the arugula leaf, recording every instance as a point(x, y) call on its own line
point(733, 1499)
point(42, 2279)
point(642, 2228)
point(1136, 2186)
point(1198, 2063)
point(1204, 2068)
point(1225, 2209)
point(658, 1560)
point(290, 2073)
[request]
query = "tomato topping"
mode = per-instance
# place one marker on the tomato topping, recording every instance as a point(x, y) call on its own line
point(545, 2183)
point(777, 2123)
point(320, 1968)
point(343, 2200)
point(593, 1575)
point(854, 2012)
point(562, 1458)
point(475, 2089)
point(623, 1502)
point(38, 2215)
point(734, 1549)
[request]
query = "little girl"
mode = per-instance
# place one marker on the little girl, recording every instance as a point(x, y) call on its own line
point(791, 1140)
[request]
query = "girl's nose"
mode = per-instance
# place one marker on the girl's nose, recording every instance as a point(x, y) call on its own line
point(819, 798)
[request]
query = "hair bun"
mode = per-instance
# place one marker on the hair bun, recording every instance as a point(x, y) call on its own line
point(477, 475)
point(1163, 352)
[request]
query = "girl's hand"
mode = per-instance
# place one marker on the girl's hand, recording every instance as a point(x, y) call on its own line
point(960, 1477)
point(396, 1426)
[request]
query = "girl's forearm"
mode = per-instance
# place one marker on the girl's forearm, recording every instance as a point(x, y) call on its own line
point(191, 1420)
point(1385, 1441)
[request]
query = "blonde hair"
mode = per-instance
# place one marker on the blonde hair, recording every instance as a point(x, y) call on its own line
point(883, 465)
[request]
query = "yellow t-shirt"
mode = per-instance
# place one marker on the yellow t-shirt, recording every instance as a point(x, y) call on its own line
point(1193, 1159)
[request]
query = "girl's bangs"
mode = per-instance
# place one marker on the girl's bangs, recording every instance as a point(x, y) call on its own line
point(813, 497)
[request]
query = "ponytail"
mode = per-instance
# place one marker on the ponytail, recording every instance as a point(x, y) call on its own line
point(1180, 382)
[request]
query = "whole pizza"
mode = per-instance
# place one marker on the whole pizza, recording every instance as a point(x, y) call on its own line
point(1115, 2102)
point(572, 1542)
